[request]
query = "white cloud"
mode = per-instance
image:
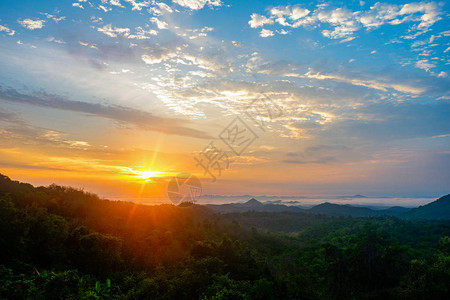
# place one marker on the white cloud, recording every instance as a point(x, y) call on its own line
point(266, 33)
point(282, 31)
point(138, 5)
point(7, 30)
point(114, 2)
point(76, 4)
point(95, 19)
point(379, 14)
point(159, 23)
point(86, 44)
point(142, 34)
point(345, 22)
point(54, 18)
point(369, 83)
point(442, 75)
point(430, 12)
point(151, 59)
point(160, 8)
point(113, 32)
point(52, 39)
point(197, 4)
point(105, 9)
point(164, 7)
point(294, 13)
point(424, 64)
point(32, 24)
point(298, 12)
point(258, 20)
point(342, 20)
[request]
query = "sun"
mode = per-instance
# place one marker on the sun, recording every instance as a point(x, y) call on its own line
point(141, 175)
point(148, 174)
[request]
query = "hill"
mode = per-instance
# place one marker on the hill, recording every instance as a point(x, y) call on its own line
point(328, 209)
point(63, 243)
point(331, 209)
point(439, 209)
point(253, 205)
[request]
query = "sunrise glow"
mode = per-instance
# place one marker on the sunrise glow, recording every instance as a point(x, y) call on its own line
point(260, 98)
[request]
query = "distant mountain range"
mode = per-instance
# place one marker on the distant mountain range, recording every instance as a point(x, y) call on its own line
point(253, 205)
point(439, 209)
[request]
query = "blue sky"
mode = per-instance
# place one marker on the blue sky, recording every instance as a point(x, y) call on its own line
point(93, 93)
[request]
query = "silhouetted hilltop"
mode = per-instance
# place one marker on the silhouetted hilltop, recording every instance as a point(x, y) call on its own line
point(252, 205)
point(331, 209)
point(253, 202)
point(439, 209)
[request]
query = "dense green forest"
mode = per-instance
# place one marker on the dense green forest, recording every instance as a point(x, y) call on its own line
point(62, 243)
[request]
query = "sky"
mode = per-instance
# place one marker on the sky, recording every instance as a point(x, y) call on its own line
point(306, 98)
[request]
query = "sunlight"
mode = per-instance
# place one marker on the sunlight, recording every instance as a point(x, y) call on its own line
point(140, 175)
point(148, 174)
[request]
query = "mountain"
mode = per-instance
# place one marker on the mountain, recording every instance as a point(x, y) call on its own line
point(439, 209)
point(395, 210)
point(253, 205)
point(328, 209)
point(331, 209)
point(351, 197)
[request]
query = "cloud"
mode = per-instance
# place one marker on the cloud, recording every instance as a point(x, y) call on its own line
point(10, 117)
point(180, 54)
point(138, 5)
point(266, 33)
point(282, 31)
point(86, 44)
point(52, 39)
point(32, 24)
point(258, 20)
point(293, 13)
point(424, 64)
point(369, 83)
point(104, 8)
point(20, 130)
point(54, 18)
point(197, 4)
point(120, 114)
point(114, 32)
point(318, 161)
point(76, 4)
point(142, 34)
point(7, 30)
point(159, 23)
point(391, 121)
point(114, 2)
point(160, 8)
point(431, 12)
point(345, 22)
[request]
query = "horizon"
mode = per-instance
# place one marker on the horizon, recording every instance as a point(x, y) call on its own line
point(304, 202)
point(270, 99)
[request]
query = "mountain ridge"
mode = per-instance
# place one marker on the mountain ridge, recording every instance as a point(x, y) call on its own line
point(438, 209)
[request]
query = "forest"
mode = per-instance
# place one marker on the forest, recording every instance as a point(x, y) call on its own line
point(63, 243)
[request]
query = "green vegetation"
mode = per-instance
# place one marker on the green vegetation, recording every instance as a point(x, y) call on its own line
point(62, 243)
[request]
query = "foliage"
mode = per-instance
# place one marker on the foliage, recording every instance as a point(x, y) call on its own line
point(62, 243)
